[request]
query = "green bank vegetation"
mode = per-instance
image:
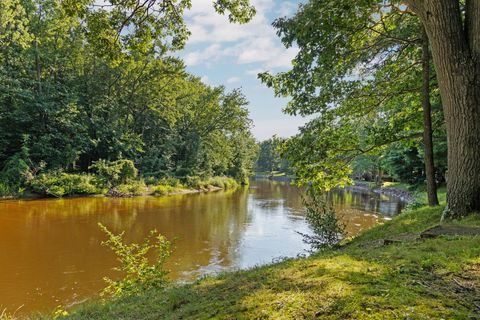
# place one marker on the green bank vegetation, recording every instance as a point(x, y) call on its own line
point(435, 278)
point(117, 178)
point(85, 85)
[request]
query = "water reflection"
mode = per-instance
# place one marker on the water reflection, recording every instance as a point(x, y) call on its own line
point(50, 252)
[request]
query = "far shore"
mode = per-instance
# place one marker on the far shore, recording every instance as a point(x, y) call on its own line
point(35, 196)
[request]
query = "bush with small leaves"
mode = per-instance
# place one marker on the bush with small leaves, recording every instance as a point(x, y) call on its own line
point(133, 188)
point(327, 229)
point(138, 273)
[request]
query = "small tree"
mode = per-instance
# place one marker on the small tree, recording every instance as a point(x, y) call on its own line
point(139, 274)
point(327, 229)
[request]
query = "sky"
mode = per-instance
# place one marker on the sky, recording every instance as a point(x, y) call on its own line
point(222, 53)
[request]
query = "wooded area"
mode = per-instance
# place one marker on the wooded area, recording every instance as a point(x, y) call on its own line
point(82, 82)
point(364, 69)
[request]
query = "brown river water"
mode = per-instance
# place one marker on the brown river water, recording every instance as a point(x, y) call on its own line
point(51, 252)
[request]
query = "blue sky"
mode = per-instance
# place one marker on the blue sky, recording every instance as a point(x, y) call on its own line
point(232, 55)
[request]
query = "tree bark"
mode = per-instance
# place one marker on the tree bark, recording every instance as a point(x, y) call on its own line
point(427, 124)
point(456, 51)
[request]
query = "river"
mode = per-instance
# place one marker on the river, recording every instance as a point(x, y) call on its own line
point(51, 253)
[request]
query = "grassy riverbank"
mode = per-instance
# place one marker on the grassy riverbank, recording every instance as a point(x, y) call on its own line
point(364, 279)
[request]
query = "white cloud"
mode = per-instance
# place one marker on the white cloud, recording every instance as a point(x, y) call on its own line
point(208, 54)
point(286, 9)
point(255, 72)
point(205, 79)
point(233, 80)
point(254, 42)
point(284, 127)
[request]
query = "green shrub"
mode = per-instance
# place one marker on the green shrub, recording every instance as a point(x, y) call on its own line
point(170, 181)
point(115, 173)
point(16, 171)
point(222, 182)
point(193, 182)
point(6, 190)
point(133, 188)
point(60, 184)
point(162, 190)
point(139, 274)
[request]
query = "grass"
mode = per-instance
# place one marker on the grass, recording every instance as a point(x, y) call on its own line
point(397, 185)
point(421, 279)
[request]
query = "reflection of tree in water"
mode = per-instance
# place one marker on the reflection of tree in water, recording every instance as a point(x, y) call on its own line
point(216, 223)
point(59, 240)
point(356, 208)
point(365, 201)
point(275, 195)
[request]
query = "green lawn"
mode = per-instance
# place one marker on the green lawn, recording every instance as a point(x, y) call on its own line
point(364, 279)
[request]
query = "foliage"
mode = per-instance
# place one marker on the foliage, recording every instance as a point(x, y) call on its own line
point(117, 27)
point(94, 85)
point(404, 163)
point(358, 72)
point(327, 229)
point(134, 188)
point(269, 156)
point(6, 190)
point(114, 173)
point(165, 186)
point(244, 153)
point(16, 171)
point(60, 184)
point(138, 274)
point(218, 182)
point(162, 190)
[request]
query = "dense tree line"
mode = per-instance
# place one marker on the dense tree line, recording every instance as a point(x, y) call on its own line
point(269, 156)
point(82, 81)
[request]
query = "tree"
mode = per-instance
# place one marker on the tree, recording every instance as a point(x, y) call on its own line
point(269, 158)
point(427, 124)
point(360, 76)
point(453, 27)
point(114, 28)
point(82, 92)
point(339, 42)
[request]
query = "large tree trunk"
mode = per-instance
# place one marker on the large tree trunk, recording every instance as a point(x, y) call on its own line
point(456, 55)
point(427, 124)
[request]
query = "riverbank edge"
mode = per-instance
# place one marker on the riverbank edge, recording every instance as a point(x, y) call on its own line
point(363, 279)
point(180, 191)
point(392, 191)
